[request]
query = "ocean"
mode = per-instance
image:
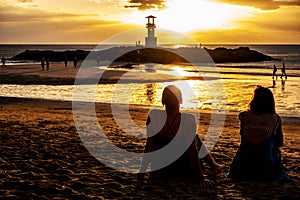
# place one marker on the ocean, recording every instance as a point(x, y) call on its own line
point(238, 79)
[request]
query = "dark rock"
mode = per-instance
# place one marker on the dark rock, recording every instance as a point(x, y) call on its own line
point(55, 56)
point(149, 55)
point(241, 54)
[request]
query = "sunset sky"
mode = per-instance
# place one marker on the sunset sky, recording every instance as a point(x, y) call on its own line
point(205, 21)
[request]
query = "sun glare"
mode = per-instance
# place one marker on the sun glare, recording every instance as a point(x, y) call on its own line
point(189, 15)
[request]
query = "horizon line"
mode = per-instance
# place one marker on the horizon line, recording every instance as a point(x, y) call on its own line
point(203, 44)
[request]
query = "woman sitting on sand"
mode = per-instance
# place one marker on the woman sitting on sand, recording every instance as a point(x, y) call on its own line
point(259, 156)
point(175, 132)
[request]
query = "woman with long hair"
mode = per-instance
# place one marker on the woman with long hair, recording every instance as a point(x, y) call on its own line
point(259, 155)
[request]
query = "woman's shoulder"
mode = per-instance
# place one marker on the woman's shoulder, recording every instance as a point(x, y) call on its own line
point(250, 116)
point(159, 112)
point(188, 119)
point(249, 113)
point(156, 112)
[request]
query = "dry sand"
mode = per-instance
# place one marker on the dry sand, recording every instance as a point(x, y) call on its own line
point(42, 157)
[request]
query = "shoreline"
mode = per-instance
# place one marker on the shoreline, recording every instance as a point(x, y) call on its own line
point(17, 79)
point(31, 74)
point(43, 157)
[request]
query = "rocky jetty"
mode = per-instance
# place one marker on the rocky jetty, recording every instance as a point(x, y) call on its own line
point(157, 55)
point(55, 56)
point(241, 54)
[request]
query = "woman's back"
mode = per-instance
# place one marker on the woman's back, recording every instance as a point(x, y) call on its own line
point(162, 132)
point(257, 128)
point(258, 156)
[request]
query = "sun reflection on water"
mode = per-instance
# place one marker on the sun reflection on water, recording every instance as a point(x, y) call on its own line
point(196, 94)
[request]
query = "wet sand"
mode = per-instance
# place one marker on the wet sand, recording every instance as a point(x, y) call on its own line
point(42, 157)
point(58, 74)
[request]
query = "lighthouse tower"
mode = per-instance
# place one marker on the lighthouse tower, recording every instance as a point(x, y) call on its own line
point(151, 40)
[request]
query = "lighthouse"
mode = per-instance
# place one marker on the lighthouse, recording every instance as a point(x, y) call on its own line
point(151, 40)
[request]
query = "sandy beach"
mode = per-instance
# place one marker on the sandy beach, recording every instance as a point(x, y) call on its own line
point(43, 157)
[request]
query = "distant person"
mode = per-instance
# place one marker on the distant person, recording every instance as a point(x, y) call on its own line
point(47, 63)
point(3, 60)
point(66, 62)
point(274, 83)
point(75, 62)
point(274, 71)
point(283, 73)
point(282, 84)
point(43, 64)
point(259, 155)
point(165, 126)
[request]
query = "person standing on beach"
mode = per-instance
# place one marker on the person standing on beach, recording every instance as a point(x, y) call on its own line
point(259, 155)
point(164, 127)
point(43, 63)
point(283, 71)
point(75, 62)
point(274, 71)
point(3, 61)
point(47, 63)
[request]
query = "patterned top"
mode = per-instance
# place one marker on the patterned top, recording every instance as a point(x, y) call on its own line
point(257, 128)
point(259, 156)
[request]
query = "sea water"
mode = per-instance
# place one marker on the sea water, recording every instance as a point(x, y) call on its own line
point(238, 82)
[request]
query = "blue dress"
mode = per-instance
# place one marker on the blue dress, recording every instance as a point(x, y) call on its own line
point(259, 156)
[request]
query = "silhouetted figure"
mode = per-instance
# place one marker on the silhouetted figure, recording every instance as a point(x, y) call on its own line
point(66, 62)
point(259, 155)
point(274, 71)
point(75, 62)
point(3, 60)
point(282, 84)
point(283, 73)
point(170, 125)
point(43, 64)
point(274, 83)
point(47, 63)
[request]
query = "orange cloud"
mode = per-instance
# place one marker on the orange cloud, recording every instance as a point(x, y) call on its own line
point(146, 4)
point(20, 25)
point(263, 4)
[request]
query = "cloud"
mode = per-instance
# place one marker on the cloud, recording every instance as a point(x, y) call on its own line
point(146, 4)
point(25, 1)
point(29, 14)
point(263, 4)
point(31, 25)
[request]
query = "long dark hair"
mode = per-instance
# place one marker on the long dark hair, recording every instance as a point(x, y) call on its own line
point(262, 101)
